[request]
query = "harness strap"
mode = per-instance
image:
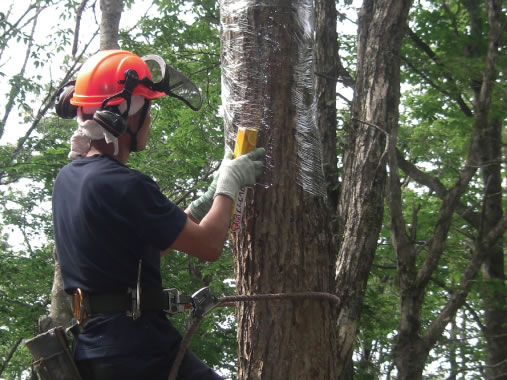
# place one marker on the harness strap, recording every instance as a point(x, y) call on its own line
point(117, 302)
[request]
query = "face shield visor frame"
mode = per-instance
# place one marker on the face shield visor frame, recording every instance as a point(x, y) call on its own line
point(170, 81)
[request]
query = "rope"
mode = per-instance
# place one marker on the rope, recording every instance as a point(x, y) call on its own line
point(279, 296)
point(183, 347)
point(231, 301)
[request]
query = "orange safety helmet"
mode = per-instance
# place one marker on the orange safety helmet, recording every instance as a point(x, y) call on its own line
point(103, 75)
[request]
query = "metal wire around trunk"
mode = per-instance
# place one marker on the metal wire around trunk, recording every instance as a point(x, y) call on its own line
point(231, 301)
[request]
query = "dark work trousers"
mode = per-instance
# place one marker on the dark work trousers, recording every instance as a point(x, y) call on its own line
point(153, 368)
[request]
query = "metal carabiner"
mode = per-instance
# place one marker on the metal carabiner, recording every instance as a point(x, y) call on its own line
point(80, 313)
point(135, 300)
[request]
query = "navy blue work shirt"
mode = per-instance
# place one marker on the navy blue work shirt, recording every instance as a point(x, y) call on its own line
point(106, 218)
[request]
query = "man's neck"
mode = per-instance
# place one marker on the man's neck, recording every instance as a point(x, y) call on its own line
point(101, 147)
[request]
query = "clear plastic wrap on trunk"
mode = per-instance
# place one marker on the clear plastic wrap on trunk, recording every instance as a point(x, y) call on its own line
point(252, 54)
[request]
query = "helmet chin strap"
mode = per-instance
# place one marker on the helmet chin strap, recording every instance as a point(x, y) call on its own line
point(133, 135)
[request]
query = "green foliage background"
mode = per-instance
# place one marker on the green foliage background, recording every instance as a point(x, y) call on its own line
point(185, 148)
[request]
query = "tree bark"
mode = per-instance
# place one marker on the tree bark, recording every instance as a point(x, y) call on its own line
point(110, 23)
point(374, 115)
point(326, 69)
point(494, 291)
point(60, 312)
point(285, 244)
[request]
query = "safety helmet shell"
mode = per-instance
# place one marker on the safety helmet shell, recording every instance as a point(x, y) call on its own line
point(100, 77)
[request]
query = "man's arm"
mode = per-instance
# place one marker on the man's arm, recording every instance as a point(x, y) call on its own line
point(206, 239)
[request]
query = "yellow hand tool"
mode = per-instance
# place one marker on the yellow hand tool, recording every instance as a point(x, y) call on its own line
point(246, 140)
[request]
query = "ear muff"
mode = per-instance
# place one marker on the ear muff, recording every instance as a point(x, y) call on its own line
point(63, 107)
point(111, 122)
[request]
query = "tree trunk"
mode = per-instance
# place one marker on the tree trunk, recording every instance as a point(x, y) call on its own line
point(60, 312)
point(493, 275)
point(374, 115)
point(326, 69)
point(493, 291)
point(110, 23)
point(285, 244)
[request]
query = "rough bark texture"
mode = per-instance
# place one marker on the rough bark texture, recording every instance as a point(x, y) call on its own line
point(326, 68)
point(374, 115)
point(285, 243)
point(110, 23)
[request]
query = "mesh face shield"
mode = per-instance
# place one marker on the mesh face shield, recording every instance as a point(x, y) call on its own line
point(165, 78)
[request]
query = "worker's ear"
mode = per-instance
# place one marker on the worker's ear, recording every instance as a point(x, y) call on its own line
point(63, 107)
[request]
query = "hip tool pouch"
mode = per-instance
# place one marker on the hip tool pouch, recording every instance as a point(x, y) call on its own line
point(52, 357)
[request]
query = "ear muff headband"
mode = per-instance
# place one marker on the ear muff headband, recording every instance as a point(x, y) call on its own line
point(63, 108)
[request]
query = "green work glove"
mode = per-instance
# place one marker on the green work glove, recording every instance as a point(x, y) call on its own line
point(239, 172)
point(200, 207)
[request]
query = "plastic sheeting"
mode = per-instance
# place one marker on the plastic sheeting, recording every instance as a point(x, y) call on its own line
point(247, 69)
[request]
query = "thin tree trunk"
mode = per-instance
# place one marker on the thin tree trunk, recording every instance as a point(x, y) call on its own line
point(60, 312)
point(9, 356)
point(286, 243)
point(494, 290)
point(374, 115)
point(110, 23)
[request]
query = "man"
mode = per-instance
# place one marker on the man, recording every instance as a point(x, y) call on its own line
point(112, 223)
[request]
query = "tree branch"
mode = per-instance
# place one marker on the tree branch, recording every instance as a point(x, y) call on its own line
point(47, 103)
point(10, 355)
point(458, 297)
point(431, 54)
point(79, 13)
point(6, 35)
point(436, 186)
point(495, 233)
point(14, 90)
point(404, 248)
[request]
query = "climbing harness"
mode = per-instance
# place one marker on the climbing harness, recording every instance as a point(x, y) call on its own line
point(50, 350)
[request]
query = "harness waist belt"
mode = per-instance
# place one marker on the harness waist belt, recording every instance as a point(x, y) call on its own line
point(106, 303)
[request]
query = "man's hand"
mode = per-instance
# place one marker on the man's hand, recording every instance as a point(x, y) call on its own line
point(239, 172)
